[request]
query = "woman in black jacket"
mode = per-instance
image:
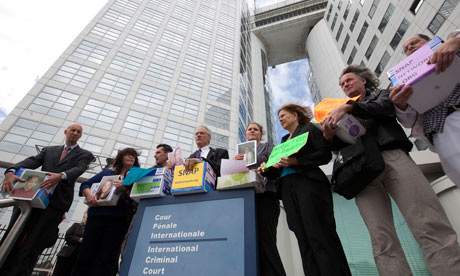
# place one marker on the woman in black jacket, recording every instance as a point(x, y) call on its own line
point(306, 195)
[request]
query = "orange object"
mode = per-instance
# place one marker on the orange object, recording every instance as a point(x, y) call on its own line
point(327, 105)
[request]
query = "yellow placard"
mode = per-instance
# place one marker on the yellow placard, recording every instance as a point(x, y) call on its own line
point(185, 179)
point(327, 105)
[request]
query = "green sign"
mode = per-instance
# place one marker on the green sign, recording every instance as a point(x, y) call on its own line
point(287, 148)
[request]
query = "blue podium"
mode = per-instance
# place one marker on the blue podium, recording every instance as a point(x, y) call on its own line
point(202, 234)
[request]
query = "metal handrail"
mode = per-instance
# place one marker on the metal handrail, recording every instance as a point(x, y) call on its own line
point(13, 234)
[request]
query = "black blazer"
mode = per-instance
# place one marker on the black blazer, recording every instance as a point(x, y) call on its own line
point(72, 237)
point(73, 164)
point(314, 154)
point(214, 158)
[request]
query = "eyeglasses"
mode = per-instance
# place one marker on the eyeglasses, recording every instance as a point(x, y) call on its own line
point(411, 44)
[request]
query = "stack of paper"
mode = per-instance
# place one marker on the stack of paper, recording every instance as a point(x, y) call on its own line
point(200, 179)
point(235, 175)
point(155, 184)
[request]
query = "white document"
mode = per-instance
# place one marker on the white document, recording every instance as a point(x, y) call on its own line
point(232, 166)
point(434, 89)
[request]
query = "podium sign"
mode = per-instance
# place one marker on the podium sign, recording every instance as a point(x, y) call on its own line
point(197, 234)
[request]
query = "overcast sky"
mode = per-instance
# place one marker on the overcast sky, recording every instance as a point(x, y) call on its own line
point(34, 33)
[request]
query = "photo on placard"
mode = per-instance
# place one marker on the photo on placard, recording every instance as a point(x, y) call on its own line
point(27, 189)
point(104, 189)
point(249, 152)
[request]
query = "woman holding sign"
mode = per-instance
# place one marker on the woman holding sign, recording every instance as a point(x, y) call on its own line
point(267, 208)
point(107, 225)
point(306, 194)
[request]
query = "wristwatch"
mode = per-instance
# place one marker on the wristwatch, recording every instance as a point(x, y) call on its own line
point(63, 176)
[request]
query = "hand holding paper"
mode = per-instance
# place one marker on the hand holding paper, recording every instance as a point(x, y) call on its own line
point(286, 149)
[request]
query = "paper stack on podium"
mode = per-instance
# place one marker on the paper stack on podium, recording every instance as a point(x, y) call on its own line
point(235, 175)
point(200, 179)
point(155, 184)
point(29, 190)
point(429, 89)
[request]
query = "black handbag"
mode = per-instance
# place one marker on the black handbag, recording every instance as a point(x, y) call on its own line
point(356, 166)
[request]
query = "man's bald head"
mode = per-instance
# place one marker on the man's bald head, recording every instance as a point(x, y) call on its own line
point(73, 134)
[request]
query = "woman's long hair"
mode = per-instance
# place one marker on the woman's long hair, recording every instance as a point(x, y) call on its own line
point(304, 113)
point(118, 161)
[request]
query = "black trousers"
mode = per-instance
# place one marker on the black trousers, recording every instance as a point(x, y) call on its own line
point(309, 210)
point(100, 250)
point(40, 232)
point(268, 211)
point(64, 265)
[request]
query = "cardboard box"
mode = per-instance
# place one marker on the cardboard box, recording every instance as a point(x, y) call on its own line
point(241, 180)
point(105, 195)
point(200, 179)
point(39, 198)
point(155, 184)
point(349, 129)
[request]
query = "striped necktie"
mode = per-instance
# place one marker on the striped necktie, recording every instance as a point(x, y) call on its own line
point(64, 153)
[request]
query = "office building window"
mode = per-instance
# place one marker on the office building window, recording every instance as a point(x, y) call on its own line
point(217, 116)
point(126, 5)
point(114, 86)
point(386, 17)
point(371, 47)
point(136, 44)
point(221, 73)
point(241, 132)
point(140, 125)
point(185, 14)
point(172, 38)
point(354, 20)
point(205, 22)
point(54, 102)
point(116, 18)
point(190, 84)
point(373, 8)
point(219, 141)
point(177, 134)
point(74, 74)
point(126, 63)
point(160, 5)
point(347, 10)
point(145, 29)
point(399, 33)
point(352, 56)
point(92, 143)
point(159, 74)
point(219, 93)
point(339, 32)
point(345, 43)
point(99, 114)
point(175, 24)
point(383, 63)
point(339, 6)
point(197, 47)
point(223, 56)
point(25, 134)
point(416, 6)
point(333, 22)
point(362, 33)
point(329, 12)
point(195, 64)
point(185, 107)
point(201, 34)
point(150, 96)
point(166, 54)
point(152, 15)
point(224, 43)
point(443, 13)
point(104, 33)
point(91, 51)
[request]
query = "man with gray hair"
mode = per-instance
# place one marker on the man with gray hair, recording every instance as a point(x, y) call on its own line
point(205, 152)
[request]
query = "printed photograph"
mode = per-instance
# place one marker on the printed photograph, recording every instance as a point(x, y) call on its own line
point(248, 149)
point(104, 190)
point(27, 189)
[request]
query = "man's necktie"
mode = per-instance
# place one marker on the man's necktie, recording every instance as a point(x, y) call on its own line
point(198, 154)
point(64, 153)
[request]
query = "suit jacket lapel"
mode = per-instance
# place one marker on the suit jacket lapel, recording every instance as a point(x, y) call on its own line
point(211, 153)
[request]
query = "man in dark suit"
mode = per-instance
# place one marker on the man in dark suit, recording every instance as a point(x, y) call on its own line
point(63, 164)
point(205, 152)
point(68, 254)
